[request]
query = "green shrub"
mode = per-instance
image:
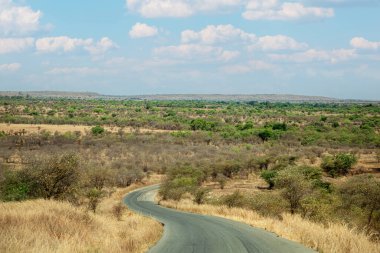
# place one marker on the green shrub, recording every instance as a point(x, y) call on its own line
point(339, 164)
point(97, 130)
point(269, 177)
point(235, 199)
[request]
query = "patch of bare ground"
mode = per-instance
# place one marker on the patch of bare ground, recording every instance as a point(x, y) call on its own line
point(51, 226)
point(38, 128)
point(334, 238)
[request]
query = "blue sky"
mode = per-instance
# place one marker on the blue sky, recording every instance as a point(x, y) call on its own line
point(313, 47)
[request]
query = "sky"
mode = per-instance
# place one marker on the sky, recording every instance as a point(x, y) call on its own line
point(131, 47)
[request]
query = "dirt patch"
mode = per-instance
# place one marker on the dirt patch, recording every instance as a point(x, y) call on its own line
point(35, 129)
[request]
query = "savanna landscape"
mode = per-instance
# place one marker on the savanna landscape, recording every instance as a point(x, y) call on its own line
point(190, 126)
point(309, 172)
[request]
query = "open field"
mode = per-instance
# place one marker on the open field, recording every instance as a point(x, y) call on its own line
point(54, 226)
point(335, 238)
point(28, 129)
point(314, 164)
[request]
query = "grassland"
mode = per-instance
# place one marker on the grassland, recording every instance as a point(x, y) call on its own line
point(56, 226)
point(243, 155)
point(337, 238)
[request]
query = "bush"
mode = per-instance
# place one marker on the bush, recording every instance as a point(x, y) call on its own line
point(200, 195)
point(269, 176)
point(339, 164)
point(294, 185)
point(118, 211)
point(363, 192)
point(56, 178)
point(12, 188)
point(97, 130)
point(268, 204)
point(235, 199)
point(280, 126)
point(265, 135)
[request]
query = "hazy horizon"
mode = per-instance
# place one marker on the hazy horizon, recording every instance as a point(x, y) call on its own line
point(129, 47)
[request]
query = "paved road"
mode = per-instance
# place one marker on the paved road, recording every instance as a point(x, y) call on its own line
point(186, 232)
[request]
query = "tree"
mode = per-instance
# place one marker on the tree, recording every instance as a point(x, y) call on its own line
point(200, 195)
point(235, 199)
point(269, 176)
point(339, 164)
point(221, 179)
point(294, 186)
point(55, 178)
point(362, 191)
point(94, 196)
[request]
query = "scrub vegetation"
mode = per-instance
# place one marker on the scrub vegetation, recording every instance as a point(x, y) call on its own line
point(307, 167)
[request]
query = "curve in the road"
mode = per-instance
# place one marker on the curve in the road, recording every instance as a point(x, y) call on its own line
point(187, 232)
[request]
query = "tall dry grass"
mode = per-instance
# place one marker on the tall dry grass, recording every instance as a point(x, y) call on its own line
point(334, 238)
point(43, 226)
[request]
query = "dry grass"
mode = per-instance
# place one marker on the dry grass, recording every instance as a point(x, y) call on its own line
point(50, 226)
point(35, 129)
point(334, 238)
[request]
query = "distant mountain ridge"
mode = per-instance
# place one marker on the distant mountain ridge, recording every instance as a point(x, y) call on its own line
point(204, 97)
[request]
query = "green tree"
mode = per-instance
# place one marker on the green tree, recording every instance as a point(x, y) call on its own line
point(269, 177)
point(339, 164)
point(363, 191)
point(294, 186)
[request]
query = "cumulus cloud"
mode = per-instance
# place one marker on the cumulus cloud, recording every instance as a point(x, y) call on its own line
point(74, 70)
point(332, 56)
point(11, 67)
point(140, 30)
point(11, 45)
point(278, 42)
point(251, 66)
point(67, 44)
point(274, 10)
point(105, 44)
point(15, 19)
point(361, 43)
point(196, 52)
point(177, 8)
point(214, 34)
point(227, 33)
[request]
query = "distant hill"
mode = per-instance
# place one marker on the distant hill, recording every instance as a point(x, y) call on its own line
point(205, 97)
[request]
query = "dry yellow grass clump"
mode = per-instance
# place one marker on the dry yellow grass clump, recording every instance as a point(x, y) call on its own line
point(50, 226)
point(334, 238)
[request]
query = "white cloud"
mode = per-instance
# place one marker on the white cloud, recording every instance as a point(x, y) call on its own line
point(101, 46)
point(311, 55)
point(10, 45)
point(140, 30)
point(361, 43)
point(10, 67)
point(160, 8)
point(214, 34)
point(16, 19)
point(196, 52)
point(227, 55)
point(278, 42)
point(177, 8)
point(251, 66)
point(74, 70)
point(273, 10)
point(67, 44)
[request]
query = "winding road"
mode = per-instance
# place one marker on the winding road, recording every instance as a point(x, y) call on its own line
point(187, 232)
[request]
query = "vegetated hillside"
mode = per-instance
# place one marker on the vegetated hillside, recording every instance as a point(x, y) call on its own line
point(327, 155)
point(177, 97)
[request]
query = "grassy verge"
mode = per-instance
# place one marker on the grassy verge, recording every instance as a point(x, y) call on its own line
point(336, 238)
point(51, 226)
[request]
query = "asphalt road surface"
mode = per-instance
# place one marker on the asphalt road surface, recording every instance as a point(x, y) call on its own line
point(187, 232)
